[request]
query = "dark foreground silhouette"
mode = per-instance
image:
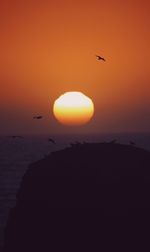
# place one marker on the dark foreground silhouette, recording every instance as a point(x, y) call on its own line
point(66, 199)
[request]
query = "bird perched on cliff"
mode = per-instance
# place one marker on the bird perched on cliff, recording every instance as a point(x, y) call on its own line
point(113, 141)
point(132, 143)
point(52, 140)
point(37, 117)
point(100, 58)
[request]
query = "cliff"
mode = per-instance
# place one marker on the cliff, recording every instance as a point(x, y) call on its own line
point(57, 192)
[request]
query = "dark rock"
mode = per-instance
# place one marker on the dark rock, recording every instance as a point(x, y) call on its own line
point(58, 193)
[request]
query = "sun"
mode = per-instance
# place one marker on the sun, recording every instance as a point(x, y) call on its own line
point(73, 108)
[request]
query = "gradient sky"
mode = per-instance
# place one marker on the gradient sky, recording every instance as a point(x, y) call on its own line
point(49, 47)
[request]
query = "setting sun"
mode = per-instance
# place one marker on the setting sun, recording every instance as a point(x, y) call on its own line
point(73, 108)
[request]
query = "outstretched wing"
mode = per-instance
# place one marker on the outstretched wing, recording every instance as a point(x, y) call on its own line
point(100, 58)
point(37, 117)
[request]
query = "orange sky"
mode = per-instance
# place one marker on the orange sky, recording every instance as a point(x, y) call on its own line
point(49, 47)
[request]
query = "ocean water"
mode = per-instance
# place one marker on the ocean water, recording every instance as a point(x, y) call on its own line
point(17, 154)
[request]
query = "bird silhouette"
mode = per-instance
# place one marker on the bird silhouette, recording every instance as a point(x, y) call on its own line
point(132, 143)
point(52, 140)
point(113, 141)
point(100, 58)
point(37, 117)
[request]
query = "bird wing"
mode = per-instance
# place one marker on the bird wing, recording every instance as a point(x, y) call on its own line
point(37, 117)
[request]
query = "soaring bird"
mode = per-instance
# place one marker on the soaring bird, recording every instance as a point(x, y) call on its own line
point(52, 140)
point(100, 58)
point(37, 117)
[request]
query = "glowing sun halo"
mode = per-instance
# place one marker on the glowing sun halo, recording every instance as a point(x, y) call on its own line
point(73, 108)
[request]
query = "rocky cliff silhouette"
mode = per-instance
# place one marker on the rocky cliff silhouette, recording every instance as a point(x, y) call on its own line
point(58, 193)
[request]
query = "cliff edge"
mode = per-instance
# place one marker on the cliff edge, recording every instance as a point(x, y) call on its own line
point(56, 192)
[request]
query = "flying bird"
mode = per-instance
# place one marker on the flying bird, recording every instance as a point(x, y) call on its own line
point(52, 140)
point(37, 117)
point(100, 58)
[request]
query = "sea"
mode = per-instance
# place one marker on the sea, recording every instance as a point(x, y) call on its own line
point(17, 153)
